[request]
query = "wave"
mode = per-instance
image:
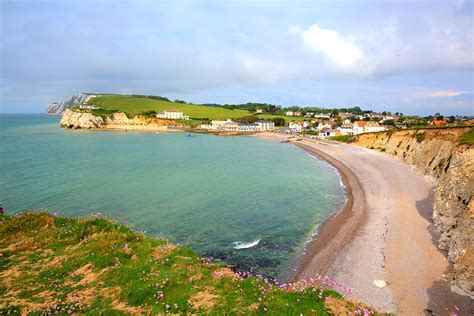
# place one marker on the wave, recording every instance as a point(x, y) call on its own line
point(245, 245)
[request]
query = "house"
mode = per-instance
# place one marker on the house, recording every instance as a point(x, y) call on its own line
point(322, 116)
point(265, 125)
point(328, 124)
point(258, 111)
point(372, 127)
point(360, 127)
point(329, 132)
point(172, 115)
point(296, 113)
point(309, 114)
point(296, 127)
point(437, 122)
point(347, 128)
point(85, 106)
point(289, 113)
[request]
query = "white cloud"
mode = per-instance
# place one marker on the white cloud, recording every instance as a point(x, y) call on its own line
point(444, 93)
point(340, 51)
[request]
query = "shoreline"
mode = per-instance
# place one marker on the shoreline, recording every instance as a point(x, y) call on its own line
point(382, 243)
point(324, 249)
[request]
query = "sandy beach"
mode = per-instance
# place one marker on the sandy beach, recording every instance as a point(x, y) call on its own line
point(382, 244)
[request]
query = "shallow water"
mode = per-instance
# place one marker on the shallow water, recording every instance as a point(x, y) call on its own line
point(218, 195)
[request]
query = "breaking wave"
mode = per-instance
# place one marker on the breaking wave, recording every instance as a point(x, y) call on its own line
point(245, 245)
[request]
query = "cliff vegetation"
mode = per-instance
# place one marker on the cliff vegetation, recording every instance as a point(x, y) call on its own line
point(94, 266)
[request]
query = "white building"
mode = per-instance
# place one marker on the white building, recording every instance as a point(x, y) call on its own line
point(329, 132)
point(347, 128)
point(295, 127)
point(259, 111)
point(265, 125)
point(322, 116)
point(250, 127)
point(229, 126)
point(172, 115)
point(289, 113)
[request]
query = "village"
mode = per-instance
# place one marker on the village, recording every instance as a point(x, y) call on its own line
point(318, 124)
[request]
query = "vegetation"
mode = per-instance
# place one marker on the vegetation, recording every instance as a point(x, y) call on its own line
point(420, 137)
point(95, 266)
point(247, 119)
point(134, 105)
point(343, 138)
point(468, 137)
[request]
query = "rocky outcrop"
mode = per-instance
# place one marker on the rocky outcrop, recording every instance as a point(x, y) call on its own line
point(84, 119)
point(57, 108)
point(438, 153)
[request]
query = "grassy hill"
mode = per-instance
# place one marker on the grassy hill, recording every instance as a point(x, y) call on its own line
point(133, 106)
point(91, 266)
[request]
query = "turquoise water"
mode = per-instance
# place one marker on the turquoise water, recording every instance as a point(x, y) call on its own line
point(208, 192)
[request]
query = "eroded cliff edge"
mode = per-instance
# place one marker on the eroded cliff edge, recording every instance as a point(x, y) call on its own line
point(86, 120)
point(438, 153)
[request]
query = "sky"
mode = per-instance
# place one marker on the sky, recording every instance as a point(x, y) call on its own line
point(414, 57)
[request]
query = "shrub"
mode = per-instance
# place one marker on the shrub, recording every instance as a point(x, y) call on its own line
point(343, 138)
point(420, 137)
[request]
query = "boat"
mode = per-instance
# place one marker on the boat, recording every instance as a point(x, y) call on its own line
point(190, 135)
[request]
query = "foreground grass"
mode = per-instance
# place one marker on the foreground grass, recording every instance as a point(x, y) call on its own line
point(91, 266)
point(134, 106)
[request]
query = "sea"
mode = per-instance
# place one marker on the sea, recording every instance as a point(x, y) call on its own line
point(251, 203)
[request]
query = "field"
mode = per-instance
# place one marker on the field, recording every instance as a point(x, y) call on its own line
point(134, 106)
point(51, 265)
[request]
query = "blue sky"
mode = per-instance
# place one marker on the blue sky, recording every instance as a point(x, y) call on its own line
point(414, 57)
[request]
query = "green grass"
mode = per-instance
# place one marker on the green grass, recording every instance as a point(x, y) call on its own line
point(134, 106)
point(95, 266)
point(343, 138)
point(467, 138)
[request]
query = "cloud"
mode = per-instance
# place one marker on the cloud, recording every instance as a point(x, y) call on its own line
point(340, 51)
point(444, 93)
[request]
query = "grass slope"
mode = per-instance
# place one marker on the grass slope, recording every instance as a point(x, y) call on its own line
point(468, 137)
point(52, 265)
point(134, 106)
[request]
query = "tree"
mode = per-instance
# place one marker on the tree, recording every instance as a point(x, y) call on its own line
point(452, 119)
point(246, 119)
point(279, 121)
point(389, 122)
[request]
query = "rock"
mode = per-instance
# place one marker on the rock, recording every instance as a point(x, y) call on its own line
point(84, 119)
point(57, 108)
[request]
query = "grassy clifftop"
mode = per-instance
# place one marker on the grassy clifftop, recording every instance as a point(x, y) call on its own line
point(133, 106)
point(90, 266)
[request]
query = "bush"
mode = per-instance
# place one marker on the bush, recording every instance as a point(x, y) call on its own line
point(420, 137)
point(343, 138)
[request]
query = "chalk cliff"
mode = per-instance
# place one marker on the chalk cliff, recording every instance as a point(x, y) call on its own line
point(438, 153)
point(57, 108)
point(119, 121)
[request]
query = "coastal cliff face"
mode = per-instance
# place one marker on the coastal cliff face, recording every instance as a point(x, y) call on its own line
point(86, 120)
point(438, 153)
point(57, 108)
